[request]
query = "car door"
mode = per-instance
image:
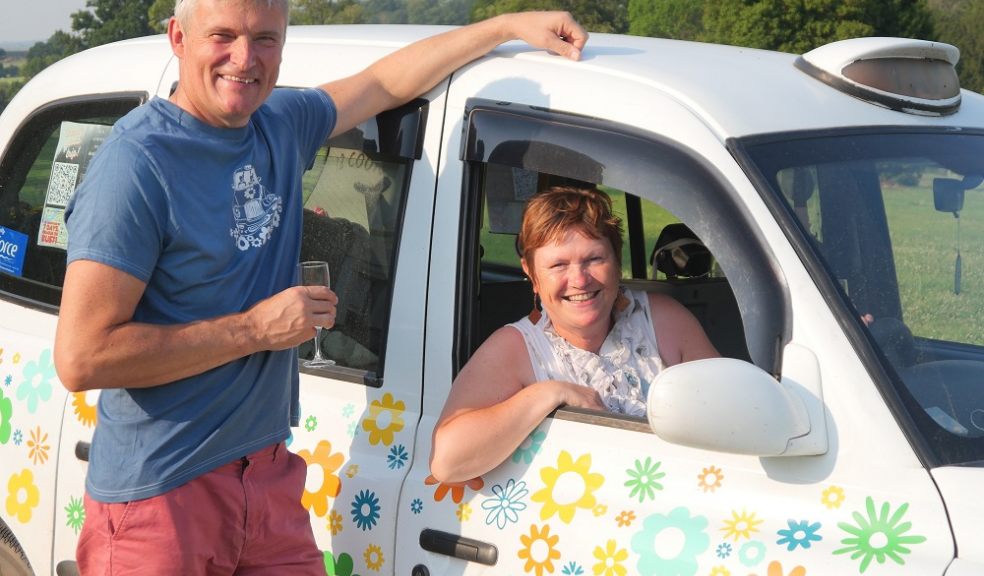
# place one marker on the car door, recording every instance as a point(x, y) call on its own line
point(599, 493)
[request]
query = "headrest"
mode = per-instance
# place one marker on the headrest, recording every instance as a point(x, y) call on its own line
point(680, 254)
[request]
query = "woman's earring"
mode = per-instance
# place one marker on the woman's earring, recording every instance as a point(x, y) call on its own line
point(535, 313)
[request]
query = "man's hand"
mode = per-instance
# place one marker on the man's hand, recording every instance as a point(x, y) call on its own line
point(557, 32)
point(289, 318)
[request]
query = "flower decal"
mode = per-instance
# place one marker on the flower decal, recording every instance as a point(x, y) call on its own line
point(6, 411)
point(741, 525)
point(23, 496)
point(334, 522)
point(322, 481)
point(37, 446)
point(348, 410)
point(720, 571)
point(833, 497)
point(311, 423)
point(610, 559)
point(802, 534)
point(569, 486)
point(341, 566)
point(529, 448)
point(775, 569)
point(18, 437)
point(539, 550)
point(751, 553)
point(463, 512)
point(625, 518)
point(84, 411)
point(374, 557)
point(879, 535)
point(457, 489)
point(506, 503)
point(75, 514)
point(365, 510)
point(417, 506)
point(384, 420)
point(36, 385)
point(723, 550)
point(679, 562)
point(710, 479)
point(572, 569)
point(643, 480)
point(397, 457)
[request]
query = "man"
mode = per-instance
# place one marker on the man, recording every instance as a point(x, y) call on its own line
point(187, 322)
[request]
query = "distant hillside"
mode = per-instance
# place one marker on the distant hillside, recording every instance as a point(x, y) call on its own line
point(19, 46)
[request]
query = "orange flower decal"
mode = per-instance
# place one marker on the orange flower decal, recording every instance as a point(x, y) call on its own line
point(322, 481)
point(457, 489)
point(85, 412)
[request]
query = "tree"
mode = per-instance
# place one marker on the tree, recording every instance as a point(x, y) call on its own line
point(44, 54)
point(959, 22)
point(595, 16)
point(327, 12)
point(105, 21)
point(677, 19)
point(159, 13)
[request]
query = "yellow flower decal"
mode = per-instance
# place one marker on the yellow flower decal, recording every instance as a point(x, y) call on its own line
point(334, 523)
point(710, 479)
point(833, 497)
point(374, 557)
point(741, 525)
point(352, 470)
point(85, 412)
point(625, 518)
point(539, 550)
point(600, 510)
point(17, 358)
point(463, 512)
point(610, 560)
point(720, 571)
point(322, 465)
point(569, 486)
point(37, 446)
point(22, 496)
point(384, 420)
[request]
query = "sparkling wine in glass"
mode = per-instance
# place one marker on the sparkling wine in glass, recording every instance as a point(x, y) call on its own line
point(315, 273)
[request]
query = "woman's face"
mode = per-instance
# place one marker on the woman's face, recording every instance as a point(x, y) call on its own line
point(577, 279)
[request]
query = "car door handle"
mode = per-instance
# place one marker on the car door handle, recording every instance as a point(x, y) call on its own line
point(82, 450)
point(458, 546)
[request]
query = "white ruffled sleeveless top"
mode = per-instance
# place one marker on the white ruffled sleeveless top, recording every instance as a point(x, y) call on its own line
point(622, 370)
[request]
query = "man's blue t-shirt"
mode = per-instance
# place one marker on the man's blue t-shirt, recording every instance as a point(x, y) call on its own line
point(210, 219)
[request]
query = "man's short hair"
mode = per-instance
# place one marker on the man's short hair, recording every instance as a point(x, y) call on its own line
point(184, 8)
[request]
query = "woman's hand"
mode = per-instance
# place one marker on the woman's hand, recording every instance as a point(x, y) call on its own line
point(574, 395)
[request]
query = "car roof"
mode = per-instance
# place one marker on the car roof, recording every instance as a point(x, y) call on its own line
point(735, 91)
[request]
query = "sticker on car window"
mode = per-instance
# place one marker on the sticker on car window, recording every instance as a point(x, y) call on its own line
point(13, 246)
point(77, 143)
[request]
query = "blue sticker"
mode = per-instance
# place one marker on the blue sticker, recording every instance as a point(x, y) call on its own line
point(13, 246)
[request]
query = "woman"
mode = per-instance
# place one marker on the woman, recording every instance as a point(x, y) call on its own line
point(595, 345)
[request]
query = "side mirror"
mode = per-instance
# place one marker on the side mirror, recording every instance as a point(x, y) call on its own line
point(725, 405)
point(948, 194)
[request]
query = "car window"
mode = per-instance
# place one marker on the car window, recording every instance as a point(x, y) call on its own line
point(43, 166)
point(898, 221)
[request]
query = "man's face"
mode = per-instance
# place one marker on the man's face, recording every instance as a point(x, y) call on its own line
point(230, 52)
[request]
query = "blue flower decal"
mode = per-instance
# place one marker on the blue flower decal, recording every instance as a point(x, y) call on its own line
point(397, 457)
point(348, 410)
point(800, 533)
point(696, 541)
point(8, 380)
point(41, 371)
point(572, 569)
point(507, 503)
point(529, 448)
point(723, 550)
point(365, 510)
point(752, 553)
point(417, 506)
point(18, 437)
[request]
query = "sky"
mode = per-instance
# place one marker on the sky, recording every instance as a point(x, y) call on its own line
point(29, 21)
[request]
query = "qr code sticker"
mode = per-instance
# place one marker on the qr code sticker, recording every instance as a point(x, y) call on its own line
point(62, 183)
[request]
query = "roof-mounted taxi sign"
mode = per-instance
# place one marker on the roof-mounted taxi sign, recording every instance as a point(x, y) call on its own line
point(911, 76)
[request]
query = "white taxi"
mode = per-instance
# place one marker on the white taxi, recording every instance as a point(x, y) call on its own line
point(822, 216)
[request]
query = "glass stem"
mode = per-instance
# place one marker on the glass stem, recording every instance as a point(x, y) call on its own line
point(317, 345)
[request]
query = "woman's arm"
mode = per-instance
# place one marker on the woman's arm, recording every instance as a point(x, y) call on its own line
point(678, 334)
point(493, 406)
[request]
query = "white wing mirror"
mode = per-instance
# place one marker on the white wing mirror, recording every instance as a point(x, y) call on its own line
point(725, 405)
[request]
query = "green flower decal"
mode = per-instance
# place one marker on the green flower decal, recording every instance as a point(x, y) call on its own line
point(656, 561)
point(343, 566)
point(6, 410)
point(311, 423)
point(643, 479)
point(878, 536)
point(75, 513)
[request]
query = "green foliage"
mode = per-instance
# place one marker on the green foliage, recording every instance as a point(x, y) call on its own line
point(595, 16)
point(105, 21)
point(677, 19)
point(159, 13)
point(327, 12)
point(8, 88)
point(959, 22)
point(44, 54)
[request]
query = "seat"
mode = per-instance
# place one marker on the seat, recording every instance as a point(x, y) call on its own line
point(680, 254)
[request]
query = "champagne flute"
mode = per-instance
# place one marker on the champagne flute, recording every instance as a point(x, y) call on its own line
point(315, 273)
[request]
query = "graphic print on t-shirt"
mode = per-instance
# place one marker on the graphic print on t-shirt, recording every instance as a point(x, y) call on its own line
point(255, 208)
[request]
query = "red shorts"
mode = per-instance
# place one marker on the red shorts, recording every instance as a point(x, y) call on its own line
point(243, 518)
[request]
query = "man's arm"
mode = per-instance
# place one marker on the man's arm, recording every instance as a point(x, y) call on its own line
point(415, 69)
point(98, 345)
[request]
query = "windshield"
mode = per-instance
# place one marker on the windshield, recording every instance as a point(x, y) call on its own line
point(897, 220)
